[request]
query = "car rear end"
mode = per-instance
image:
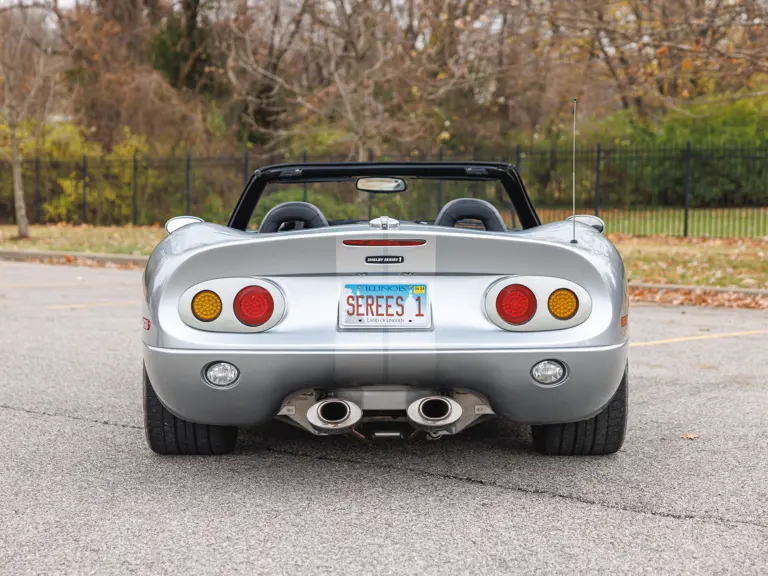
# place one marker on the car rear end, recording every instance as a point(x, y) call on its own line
point(524, 325)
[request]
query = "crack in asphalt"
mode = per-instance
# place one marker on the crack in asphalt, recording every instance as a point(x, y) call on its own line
point(521, 489)
point(69, 417)
point(454, 477)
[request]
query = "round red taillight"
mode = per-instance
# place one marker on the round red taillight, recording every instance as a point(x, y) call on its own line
point(254, 305)
point(516, 304)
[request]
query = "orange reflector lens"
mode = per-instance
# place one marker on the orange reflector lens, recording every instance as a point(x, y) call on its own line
point(206, 306)
point(563, 304)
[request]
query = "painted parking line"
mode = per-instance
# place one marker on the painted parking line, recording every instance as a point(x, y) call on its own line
point(700, 337)
point(93, 305)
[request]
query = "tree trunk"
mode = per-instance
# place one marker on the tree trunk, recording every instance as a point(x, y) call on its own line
point(18, 185)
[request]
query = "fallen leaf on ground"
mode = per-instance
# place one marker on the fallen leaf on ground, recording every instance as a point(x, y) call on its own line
point(698, 298)
point(690, 436)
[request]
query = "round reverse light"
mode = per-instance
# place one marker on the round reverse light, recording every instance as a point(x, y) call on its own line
point(516, 304)
point(548, 372)
point(221, 374)
point(563, 304)
point(206, 306)
point(254, 305)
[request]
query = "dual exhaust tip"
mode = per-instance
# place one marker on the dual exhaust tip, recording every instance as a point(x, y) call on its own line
point(434, 409)
point(334, 412)
point(336, 416)
point(434, 413)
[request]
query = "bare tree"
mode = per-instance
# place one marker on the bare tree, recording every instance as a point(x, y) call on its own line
point(27, 70)
point(343, 66)
point(398, 76)
point(260, 42)
point(658, 54)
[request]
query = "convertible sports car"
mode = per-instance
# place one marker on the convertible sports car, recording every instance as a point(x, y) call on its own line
point(388, 326)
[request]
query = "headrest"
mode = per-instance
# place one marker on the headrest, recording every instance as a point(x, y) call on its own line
point(304, 212)
point(464, 208)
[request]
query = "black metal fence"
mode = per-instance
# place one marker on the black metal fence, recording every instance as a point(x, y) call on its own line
point(676, 190)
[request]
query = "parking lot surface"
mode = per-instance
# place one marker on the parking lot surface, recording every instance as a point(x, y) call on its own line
point(80, 492)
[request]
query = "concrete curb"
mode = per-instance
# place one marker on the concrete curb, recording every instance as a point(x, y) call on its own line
point(752, 291)
point(35, 255)
point(74, 257)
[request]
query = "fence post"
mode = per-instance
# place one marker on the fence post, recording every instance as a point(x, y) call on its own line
point(519, 167)
point(440, 182)
point(135, 186)
point(304, 159)
point(687, 186)
point(597, 179)
point(37, 189)
point(245, 167)
point(85, 189)
point(188, 184)
point(370, 194)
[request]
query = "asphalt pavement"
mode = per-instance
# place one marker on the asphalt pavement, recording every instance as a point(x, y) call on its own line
point(81, 493)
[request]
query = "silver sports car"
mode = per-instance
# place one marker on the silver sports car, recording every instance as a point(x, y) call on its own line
point(392, 325)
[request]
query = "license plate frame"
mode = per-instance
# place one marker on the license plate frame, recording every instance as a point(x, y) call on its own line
point(413, 312)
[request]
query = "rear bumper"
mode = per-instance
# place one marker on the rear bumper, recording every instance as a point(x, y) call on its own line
point(502, 376)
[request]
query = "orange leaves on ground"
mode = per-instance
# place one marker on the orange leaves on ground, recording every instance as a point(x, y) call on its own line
point(722, 262)
point(85, 238)
point(698, 298)
point(86, 262)
point(690, 436)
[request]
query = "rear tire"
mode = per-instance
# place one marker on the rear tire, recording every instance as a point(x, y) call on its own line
point(168, 434)
point(601, 434)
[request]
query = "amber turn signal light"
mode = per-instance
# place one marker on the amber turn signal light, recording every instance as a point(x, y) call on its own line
point(206, 306)
point(563, 304)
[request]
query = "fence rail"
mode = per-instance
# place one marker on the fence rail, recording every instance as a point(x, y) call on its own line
point(683, 190)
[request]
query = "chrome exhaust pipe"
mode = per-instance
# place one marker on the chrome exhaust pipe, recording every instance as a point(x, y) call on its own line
point(434, 409)
point(334, 416)
point(434, 413)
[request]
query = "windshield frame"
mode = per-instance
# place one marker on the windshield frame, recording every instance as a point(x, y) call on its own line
point(506, 174)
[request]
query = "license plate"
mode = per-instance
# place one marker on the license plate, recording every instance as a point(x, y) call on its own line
point(384, 306)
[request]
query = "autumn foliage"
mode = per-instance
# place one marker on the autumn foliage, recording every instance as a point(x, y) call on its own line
point(400, 79)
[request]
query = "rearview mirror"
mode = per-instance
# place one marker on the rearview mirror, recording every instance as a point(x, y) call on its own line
point(381, 185)
point(596, 223)
point(179, 222)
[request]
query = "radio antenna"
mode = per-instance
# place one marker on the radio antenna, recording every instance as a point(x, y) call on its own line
point(574, 172)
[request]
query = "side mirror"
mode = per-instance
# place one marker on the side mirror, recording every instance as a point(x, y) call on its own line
point(596, 223)
point(179, 222)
